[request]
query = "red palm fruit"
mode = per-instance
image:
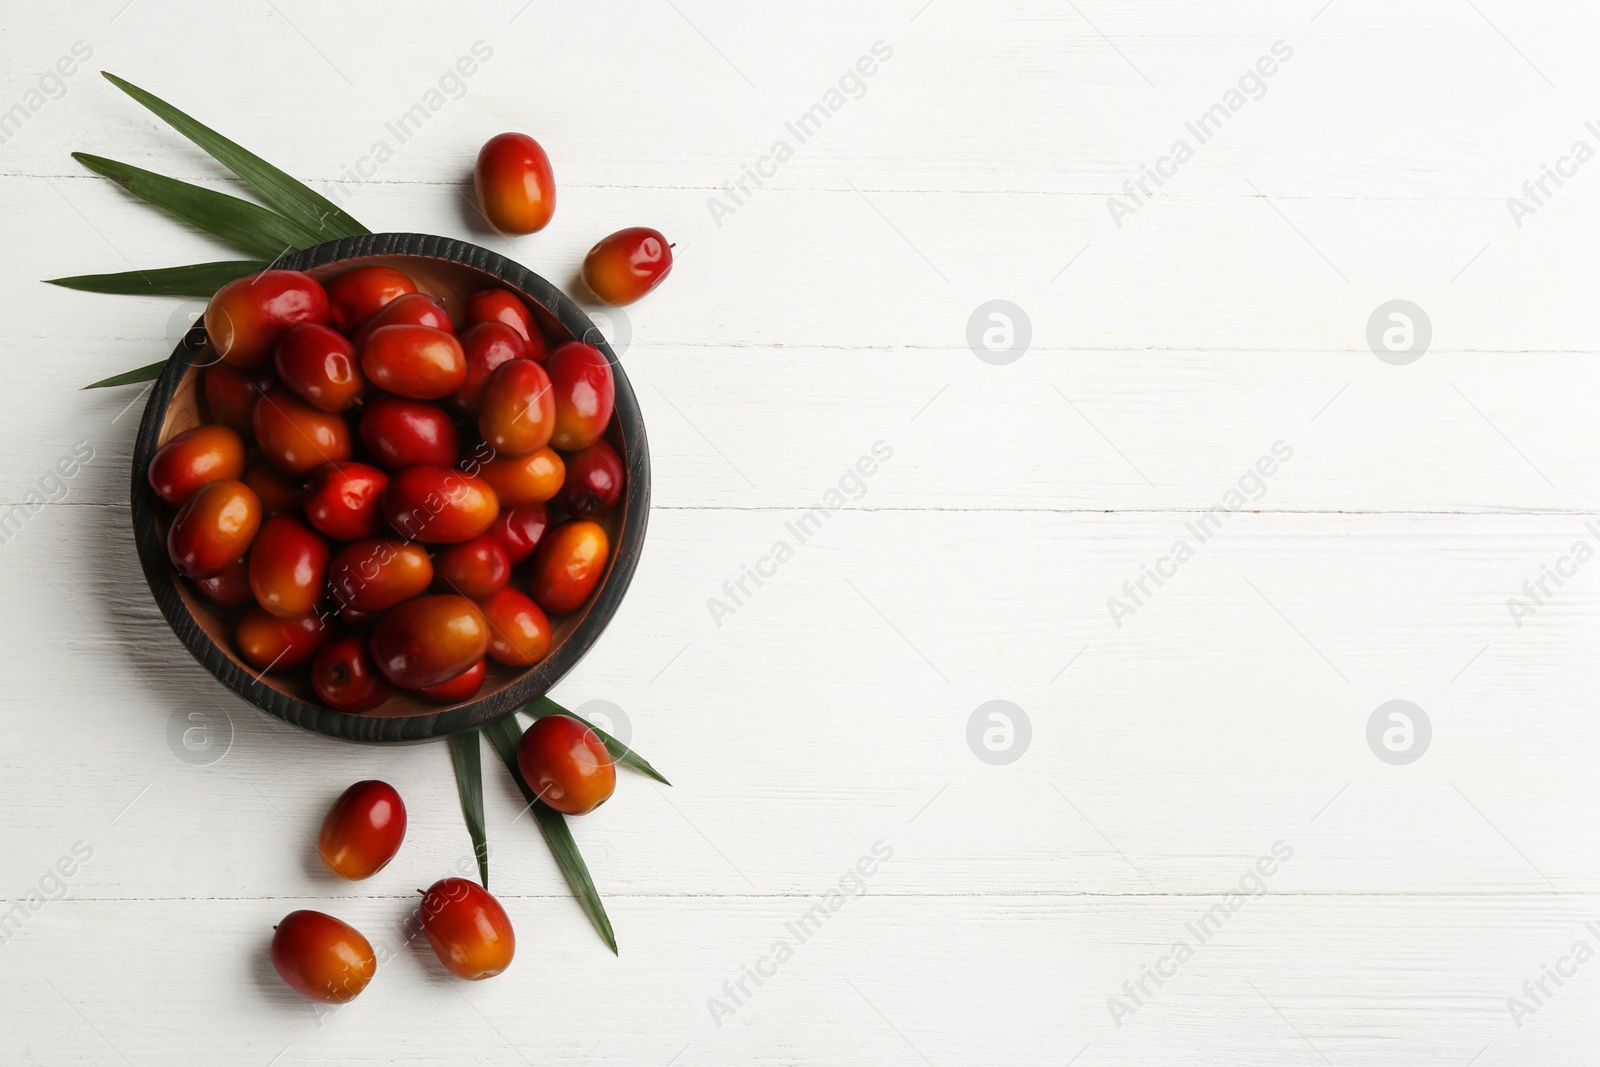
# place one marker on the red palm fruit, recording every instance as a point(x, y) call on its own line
point(413, 309)
point(429, 640)
point(192, 459)
point(415, 361)
point(520, 529)
point(463, 686)
point(344, 501)
point(363, 830)
point(515, 185)
point(319, 365)
point(247, 316)
point(408, 433)
point(474, 568)
point(486, 345)
point(518, 411)
point(378, 573)
point(566, 764)
point(439, 505)
point(273, 643)
point(214, 528)
point(530, 479)
point(519, 632)
point(296, 437)
point(623, 267)
point(231, 393)
point(278, 491)
point(345, 678)
point(231, 587)
point(585, 394)
point(322, 957)
point(357, 295)
point(288, 566)
point(507, 308)
point(568, 565)
point(593, 483)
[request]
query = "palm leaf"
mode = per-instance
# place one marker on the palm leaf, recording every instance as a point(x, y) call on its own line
point(248, 226)
point(197, 279)
point(619, 751)
point(294, 200)
point(465, 754)
point(147, 373)
point(504, 734)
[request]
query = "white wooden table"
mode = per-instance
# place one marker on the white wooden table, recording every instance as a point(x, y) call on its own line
point(1207, 735)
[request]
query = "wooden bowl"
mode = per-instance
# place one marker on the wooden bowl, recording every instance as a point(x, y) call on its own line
point(451, 271)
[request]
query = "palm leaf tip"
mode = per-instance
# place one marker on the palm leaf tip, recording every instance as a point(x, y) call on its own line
point(505, 734)
point(291, 198)
point(247, 226)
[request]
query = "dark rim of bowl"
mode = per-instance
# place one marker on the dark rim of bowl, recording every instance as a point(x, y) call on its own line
point(373, 728)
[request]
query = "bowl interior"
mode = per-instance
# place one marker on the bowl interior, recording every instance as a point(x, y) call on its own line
point(406, 716)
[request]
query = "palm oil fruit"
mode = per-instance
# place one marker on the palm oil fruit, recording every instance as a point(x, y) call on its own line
point(530, 479)
point(296, 437)
point(429, 640)
point(475, 569)
point(585, 394)
point(344, 501)
point(515, 185)
point(486, 345)
point(408, 433)
point(566, 764)
point(519, 632)
point(506, 308)
point(593, 482)
point(463, 686)
point(413, 309)
point(415, 361)
point(280, 643)
point(567, 566)
point(355, 296)
point(288, 566)
point(214, 528)
point(625, 266)
point(278, 491)
point(377, 573)
point(247, 316)
point(320, 366)
point(231, 393)
point(439, 505)
point(345, 678)
point(519, 529)
point(363, 830)
point(468, 929)
point(322, 957)
point(518, 411)
point(192, 459)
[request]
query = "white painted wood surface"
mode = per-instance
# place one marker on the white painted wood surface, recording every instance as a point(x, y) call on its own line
point(829, 312)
